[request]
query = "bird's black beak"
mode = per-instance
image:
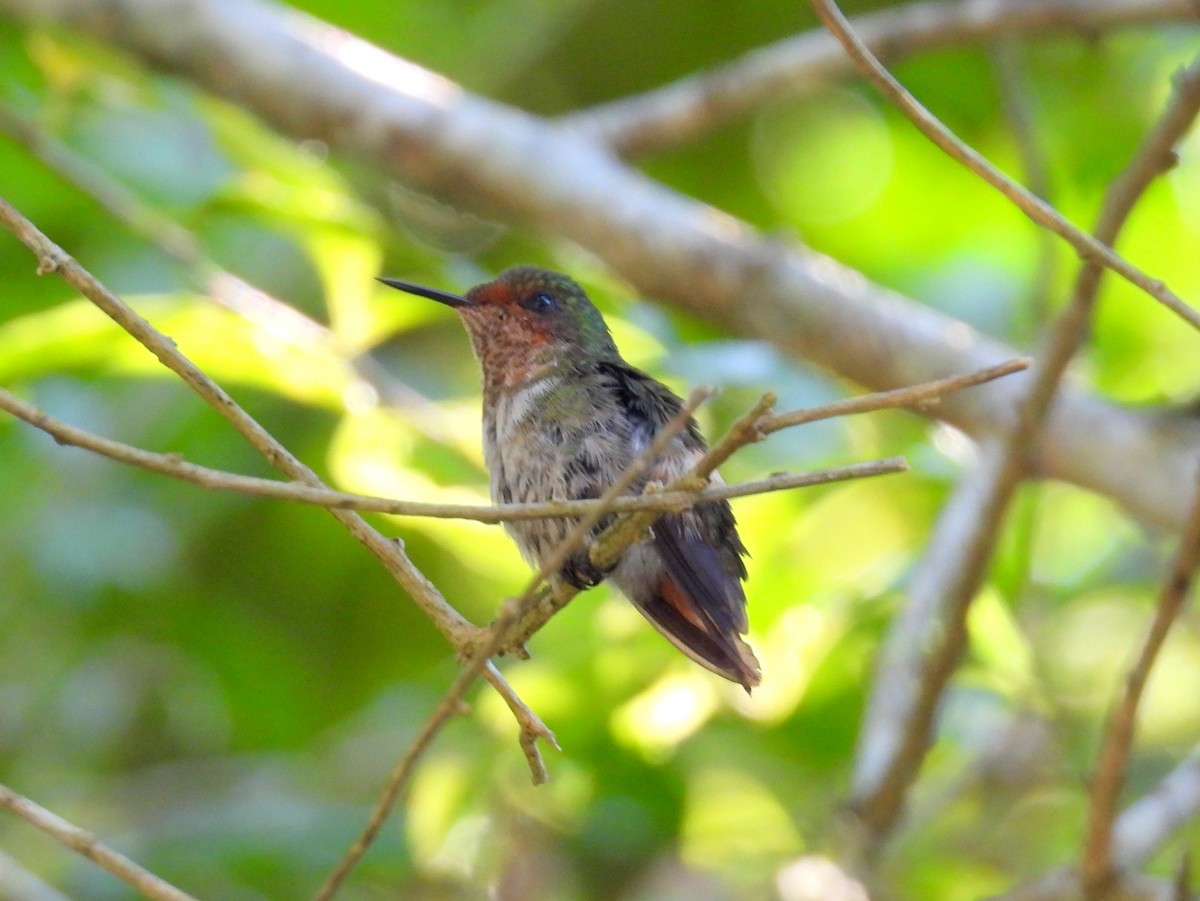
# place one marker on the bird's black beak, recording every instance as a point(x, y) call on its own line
point(450, 300)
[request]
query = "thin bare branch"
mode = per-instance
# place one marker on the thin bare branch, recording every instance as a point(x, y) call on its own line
point(918, 397)
point(176, 467)
point(685, 110)
point(1096, 866)
point(450, 704)
point(85, 843)
point(926, 642)
point(746, 429)
point(1156, 155)
point(1089, 247)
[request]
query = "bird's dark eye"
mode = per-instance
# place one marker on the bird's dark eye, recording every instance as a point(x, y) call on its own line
point(539, 303)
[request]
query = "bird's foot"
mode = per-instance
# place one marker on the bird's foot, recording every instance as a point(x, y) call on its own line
point(580, 573)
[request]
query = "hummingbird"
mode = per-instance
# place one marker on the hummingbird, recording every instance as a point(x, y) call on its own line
point(563, 417)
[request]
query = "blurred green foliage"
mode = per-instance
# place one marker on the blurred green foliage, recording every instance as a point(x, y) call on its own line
point(219, 684)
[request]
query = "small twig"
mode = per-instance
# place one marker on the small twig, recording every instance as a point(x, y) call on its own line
point(746, 429)
point(919, 397)
point(1096, 865)
point(86, 844)
point(1155, 156)
point(450, 704)
point(532, 729)
point(1089, 247)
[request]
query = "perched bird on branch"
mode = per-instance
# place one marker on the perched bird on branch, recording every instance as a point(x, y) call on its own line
point(563, 417)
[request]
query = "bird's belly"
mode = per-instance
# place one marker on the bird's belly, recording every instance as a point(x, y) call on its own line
point(533, 474)
point(539, 462)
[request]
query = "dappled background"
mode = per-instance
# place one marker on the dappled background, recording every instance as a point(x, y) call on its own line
point(218, 684)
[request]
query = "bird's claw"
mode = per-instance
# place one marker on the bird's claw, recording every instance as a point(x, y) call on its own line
point(580, 573)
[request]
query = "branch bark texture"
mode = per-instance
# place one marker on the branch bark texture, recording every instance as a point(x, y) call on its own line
point(686, 109)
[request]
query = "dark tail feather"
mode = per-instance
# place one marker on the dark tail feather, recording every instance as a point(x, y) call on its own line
point(699, 603)
point(688, 628)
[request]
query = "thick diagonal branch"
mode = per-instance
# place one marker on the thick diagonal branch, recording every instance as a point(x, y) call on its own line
point(687, 109)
